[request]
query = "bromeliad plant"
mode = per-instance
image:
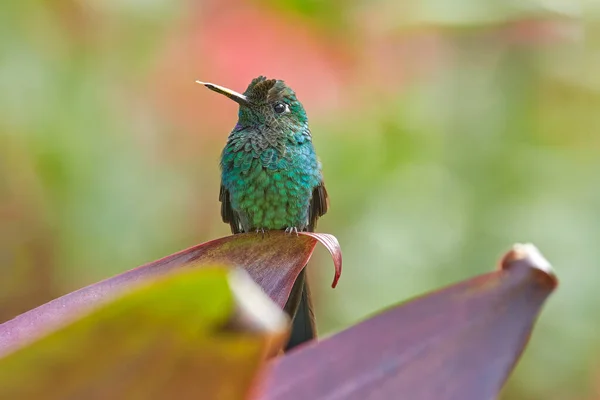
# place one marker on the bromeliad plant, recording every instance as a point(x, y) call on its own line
point(194, 325)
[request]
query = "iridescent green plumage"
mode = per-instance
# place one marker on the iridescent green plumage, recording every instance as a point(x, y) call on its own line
point(271, 177)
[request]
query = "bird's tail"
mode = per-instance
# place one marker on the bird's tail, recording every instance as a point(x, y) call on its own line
point(299, 307)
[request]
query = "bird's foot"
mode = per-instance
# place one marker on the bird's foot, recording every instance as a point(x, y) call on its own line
point(291, 230)
point(261, 231)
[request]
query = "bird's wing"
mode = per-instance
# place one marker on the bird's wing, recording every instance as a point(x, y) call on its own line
point(227, 213)
point(319, 204)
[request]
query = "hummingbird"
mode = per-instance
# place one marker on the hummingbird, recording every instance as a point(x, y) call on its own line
point(271, 177)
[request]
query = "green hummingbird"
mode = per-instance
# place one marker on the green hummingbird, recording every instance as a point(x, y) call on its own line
point(271, 177)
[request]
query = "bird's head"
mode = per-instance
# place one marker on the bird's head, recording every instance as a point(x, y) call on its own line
point(267, 102)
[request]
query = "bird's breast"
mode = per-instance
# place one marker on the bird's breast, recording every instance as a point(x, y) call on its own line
point(272, 188)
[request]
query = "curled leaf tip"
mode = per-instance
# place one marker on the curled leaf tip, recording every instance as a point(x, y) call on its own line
point(333, 246)
point(528, 252)
point(528, 255)
point(336, 278)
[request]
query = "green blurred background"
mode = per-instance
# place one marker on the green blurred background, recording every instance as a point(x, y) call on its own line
point(448, 130)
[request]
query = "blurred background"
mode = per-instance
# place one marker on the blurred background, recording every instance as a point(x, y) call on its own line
point(448, 130)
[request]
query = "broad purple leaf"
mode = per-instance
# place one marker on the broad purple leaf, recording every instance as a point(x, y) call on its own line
point(273, 260)
point(459, 343)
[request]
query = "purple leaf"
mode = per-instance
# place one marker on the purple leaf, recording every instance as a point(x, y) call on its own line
point(273, 261)
point(459, 343)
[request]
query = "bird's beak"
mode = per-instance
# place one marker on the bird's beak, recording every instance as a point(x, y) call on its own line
point(232, 94)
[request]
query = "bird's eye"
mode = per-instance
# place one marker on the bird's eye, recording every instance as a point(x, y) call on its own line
point(280, 108)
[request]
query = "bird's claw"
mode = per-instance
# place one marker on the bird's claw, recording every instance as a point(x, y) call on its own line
point(291, 230)
point(261, 231)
